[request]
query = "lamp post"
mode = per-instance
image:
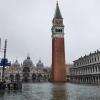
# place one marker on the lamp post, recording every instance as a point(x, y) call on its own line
point(4, 61)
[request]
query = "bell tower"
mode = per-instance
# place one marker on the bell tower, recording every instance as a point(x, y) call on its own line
point(58, 49)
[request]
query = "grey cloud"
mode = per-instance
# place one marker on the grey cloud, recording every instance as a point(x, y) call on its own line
point(27, 26)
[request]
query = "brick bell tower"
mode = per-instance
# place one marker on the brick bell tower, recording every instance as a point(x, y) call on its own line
point(58, 50)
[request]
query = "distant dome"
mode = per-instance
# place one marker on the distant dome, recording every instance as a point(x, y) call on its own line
point(39, 64)
point(16, 64)
point(27, 62)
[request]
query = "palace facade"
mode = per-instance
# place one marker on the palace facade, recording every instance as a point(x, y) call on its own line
point(86, 69)
point(27, 72)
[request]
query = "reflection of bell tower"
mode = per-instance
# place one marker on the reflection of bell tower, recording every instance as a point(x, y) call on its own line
point(58, 50)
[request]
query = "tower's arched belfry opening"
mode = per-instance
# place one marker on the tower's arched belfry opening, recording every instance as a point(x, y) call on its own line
point(58, 49)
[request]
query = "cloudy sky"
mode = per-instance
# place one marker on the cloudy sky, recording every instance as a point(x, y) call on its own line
point(27, 26)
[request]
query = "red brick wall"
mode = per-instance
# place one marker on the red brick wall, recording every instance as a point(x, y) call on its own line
point(58, 60)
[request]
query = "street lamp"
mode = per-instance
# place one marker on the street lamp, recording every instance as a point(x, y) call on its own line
point(4, 61)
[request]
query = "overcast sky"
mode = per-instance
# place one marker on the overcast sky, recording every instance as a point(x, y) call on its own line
point(27, 26)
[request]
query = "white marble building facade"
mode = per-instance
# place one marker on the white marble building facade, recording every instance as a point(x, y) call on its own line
point(86, 69)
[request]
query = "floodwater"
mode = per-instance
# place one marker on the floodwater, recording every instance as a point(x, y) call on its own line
point(49, 91)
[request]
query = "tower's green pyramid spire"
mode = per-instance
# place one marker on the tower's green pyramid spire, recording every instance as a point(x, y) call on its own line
point(57, 12)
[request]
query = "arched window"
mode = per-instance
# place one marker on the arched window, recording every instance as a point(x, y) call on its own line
point(33, 76)
point(11, 77)
point(60, 30)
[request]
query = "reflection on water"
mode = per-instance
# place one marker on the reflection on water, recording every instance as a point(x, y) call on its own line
point(49, 91)
point(58, 92)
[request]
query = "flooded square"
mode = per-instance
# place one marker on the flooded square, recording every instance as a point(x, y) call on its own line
point(49, 91)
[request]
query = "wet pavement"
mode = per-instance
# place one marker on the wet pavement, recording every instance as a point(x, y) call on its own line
point(49, 91)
